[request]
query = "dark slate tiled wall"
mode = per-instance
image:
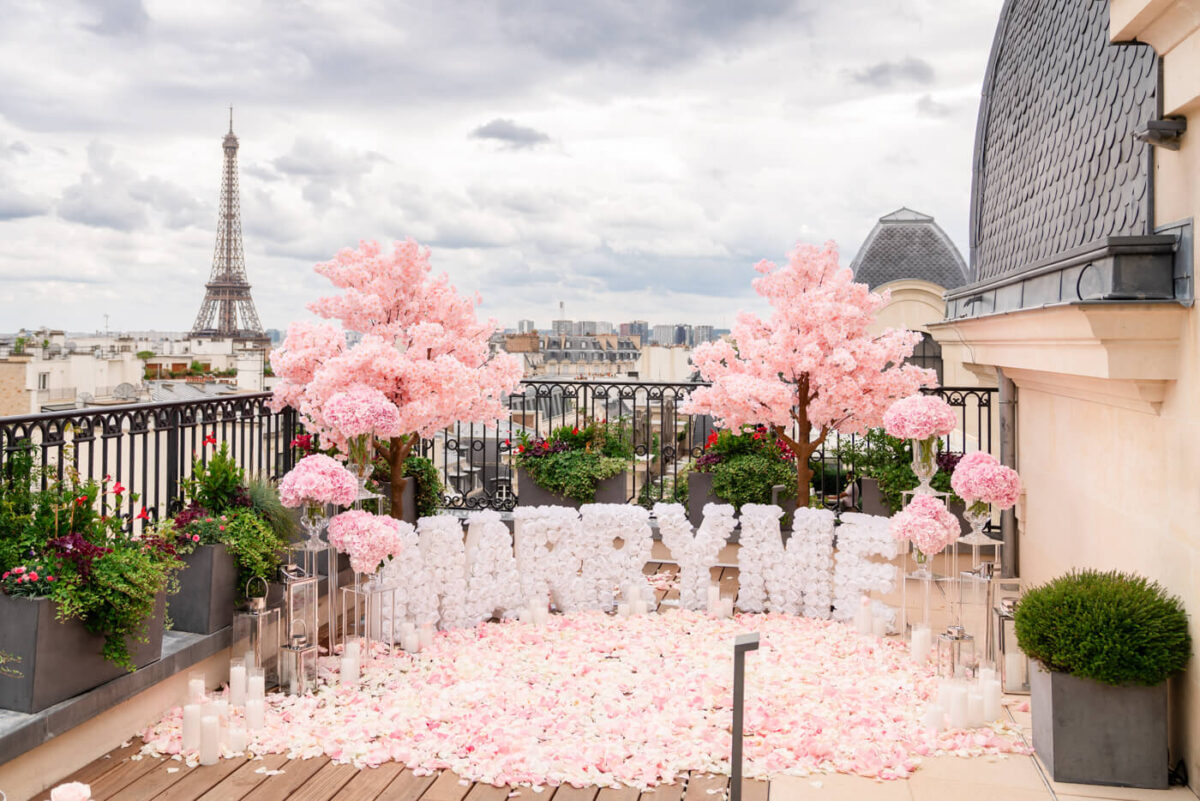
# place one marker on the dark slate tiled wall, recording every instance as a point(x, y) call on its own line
point(909, 250)
point(1056, 165)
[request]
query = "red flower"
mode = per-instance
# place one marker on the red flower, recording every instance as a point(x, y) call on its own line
point(49, 578)
point(222, 528)
point(520, 449)
point(19, 570)
point(33, 576)
point(508, 442)
point(118, 488)
point(81, 500)
point(575, 430)
point(758, 435)
point(211, 439)
point(195, 538)
point(142, 515)
point(6, 572)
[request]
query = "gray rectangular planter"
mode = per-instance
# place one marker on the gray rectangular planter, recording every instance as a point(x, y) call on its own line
point(871, 498)
point(1086, 732)
point(700, 493)
point(207, 591)
point(610, 490)
point(60, 659)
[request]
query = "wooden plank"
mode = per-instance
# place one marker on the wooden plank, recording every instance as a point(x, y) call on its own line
point(295, 774)
point(237, 784)
point(406, 787)
point(754, 790)
point(566, 792)
point(487, 792)
point(706, 787)
point(664, 792)
point(125, 773)
point(199, 780)
point(92, 771)
point(368, 783)
point(650, 568)
point(167, 773)
point(325, 783)
point(448, 786)
point(618, 794)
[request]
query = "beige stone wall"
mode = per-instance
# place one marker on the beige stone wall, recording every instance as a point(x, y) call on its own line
point(13, 398)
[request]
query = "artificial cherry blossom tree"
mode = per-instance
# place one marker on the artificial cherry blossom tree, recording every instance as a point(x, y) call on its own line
point(813, 366)
point(422, 346)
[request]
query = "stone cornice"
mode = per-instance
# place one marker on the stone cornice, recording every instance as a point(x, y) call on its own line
point(1162, 24)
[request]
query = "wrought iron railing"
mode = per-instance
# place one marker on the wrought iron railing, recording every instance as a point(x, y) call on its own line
point(150, 447)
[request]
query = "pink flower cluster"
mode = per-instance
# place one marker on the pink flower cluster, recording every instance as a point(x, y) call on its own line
point(362, 411)
point(818, 351)
point(919, 417)
point(318, 479)
point(979, 477)
point(367, 539)
point(71, 791)
point(927, 524)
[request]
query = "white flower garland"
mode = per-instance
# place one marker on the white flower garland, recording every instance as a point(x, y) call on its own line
point(861, 537)
point(759, 557)
point(547, 558)
point(493, 583)
point(445, 557)
point(415, 593)
point(807, 578)
point(606, 565)
point(696, 554)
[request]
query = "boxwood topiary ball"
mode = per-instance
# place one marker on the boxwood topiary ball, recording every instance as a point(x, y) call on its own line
point(1113, 627)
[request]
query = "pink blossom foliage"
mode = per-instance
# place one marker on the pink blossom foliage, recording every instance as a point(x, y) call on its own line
point(304, 349)
point(927, 524)
point(318, 479)
point(368, 539)
point(362, 411)
point(590, 699)
point(984, 479)
point(422, 345)
point(919, 417)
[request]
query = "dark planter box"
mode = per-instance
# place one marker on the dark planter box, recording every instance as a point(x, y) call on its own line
point(610, 490)
point(1086, 732)
point(700, 493)
point(408, 498)
point(871, 499)
point(58, 660)
point(207, 591)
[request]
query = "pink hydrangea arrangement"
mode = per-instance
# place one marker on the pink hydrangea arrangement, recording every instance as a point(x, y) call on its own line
point(367, 539)
point(979, 478)
point(926, 523)
point(318, 479)
point(363, 411)
point(919, 417)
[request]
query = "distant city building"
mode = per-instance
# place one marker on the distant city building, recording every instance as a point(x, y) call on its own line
point(702, 334)
point(683, 335)
point(584, 328)
point(562, 327)
point(44, 371)
point(663, 335)
point(525, 326)
point(604, 327)
point(604, 355)
point(636, 328)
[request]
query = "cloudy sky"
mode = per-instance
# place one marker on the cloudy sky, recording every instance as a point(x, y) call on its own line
point(631, 158)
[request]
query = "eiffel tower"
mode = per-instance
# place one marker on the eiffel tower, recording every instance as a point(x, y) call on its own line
point(228, 310)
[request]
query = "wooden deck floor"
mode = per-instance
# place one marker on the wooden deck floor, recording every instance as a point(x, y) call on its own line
point(123, 775)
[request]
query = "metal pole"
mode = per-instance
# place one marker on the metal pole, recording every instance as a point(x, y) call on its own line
point(743, 643)
point(1008, 457)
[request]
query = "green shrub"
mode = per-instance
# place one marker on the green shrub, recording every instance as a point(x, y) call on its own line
point(264, 501)
point(218, 485)
point(429, 490)
point(750, 478)
point(573, 474)
point(1116, 628)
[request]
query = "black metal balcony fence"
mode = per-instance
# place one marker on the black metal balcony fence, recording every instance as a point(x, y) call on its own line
point(150, 448)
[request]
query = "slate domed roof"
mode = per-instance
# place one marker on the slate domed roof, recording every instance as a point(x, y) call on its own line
point(908, 244)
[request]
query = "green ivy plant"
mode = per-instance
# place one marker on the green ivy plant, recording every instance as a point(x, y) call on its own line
point(428, 491)
point(1115, 628)
point(747, 466)
point(573, 460)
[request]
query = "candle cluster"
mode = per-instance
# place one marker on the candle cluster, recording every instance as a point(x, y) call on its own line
point(965, 703)
point(213, 726)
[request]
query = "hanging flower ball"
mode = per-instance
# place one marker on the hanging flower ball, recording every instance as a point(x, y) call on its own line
point(919, 417)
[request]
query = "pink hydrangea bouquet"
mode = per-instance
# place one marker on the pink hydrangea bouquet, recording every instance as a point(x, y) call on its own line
point(367, 539)
point(927, 524)
point(360, 414)
point(979, 478)
point(919, 417)
point(318, 479)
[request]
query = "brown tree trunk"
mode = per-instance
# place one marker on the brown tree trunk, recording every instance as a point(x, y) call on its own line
point(397, 454)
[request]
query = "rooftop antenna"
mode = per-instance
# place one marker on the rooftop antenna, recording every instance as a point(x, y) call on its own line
point(231, 119)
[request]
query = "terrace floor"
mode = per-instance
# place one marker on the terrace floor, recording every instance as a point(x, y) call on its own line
point(124, 775)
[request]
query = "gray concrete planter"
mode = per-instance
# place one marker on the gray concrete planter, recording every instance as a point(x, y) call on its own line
point(408, 497)
point(871, 500)
point(700, 493)
point(1086, 732)
point(207, 591)
point(60, 659)
point(610, 490)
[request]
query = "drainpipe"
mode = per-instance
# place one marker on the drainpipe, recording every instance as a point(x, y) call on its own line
point(1008, 457)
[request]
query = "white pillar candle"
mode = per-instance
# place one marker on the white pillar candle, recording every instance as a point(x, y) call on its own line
point(210, 739)
point(350, 669)
point(920, 644)
point(958, 706)
point(933, 717)
point(196, 690)
point(986, 674)
point(542, 615)
point(1014, 669)
point(531, 615)
point(256, 713)
point(879, 626)
point(714, 600)
point(862, 617)
point(624, 609)
point(191, 728)
point(425, 635)
point(237, 739)
point(640, 607)
point(726, 607)
point(991, 699)
point(974, 708)
point(943, 694)
point(256, 688)
point(237, 685)
point(412, 642)
point(351, 649)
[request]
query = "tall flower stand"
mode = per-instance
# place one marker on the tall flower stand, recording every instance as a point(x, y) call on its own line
point(371, 615)
point(307, 555)
point(979, 514)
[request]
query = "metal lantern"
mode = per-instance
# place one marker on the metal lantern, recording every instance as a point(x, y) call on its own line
point(301, 601)
point(256, 634)
point(955, 653)
point(1013, 664)
point(298, 664)
point(317, 560)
